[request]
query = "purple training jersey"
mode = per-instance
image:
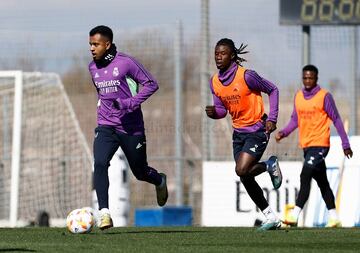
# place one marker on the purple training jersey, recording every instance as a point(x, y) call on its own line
point(119, 97)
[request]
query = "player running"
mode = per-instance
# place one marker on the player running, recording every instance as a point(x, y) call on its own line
point(314, 108)
point(120, 121)
point(238, 90)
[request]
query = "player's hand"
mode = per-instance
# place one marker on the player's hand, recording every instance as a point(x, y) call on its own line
point(270, 127)
point(279, 136)
point(348, 152)
point(210, 111)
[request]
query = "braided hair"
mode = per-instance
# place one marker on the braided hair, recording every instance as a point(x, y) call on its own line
point(236, 51)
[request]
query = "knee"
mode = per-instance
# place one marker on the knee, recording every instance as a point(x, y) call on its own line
point(100, 166)
point(323, 184)
point(240, 170)
point(306, 173)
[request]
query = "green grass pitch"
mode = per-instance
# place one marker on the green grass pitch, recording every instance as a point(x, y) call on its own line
point(180, 239)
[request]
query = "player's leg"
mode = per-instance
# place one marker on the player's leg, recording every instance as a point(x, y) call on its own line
point(134, 148)
point(312, 156)
point(244, 162)
point(105, 146)
point(303, 195)
point(248, 164)
point(256, 194)
point(323, 183)
point(326, 192)
point(305, 185)
point(254, 145)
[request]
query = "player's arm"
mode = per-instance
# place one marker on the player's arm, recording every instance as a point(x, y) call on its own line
point(141, 76)
point(217, 110)
point(290, 127)
point(257, 83)
point(331, 110)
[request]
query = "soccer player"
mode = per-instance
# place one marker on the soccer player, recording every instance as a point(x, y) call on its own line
point(238, 90)
point(117, 77)
point(314, 108)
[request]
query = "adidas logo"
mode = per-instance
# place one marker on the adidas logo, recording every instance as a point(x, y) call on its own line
point(311, 160)
point(253, 149)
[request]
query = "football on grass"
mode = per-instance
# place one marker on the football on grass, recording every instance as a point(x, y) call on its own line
point(80, 221)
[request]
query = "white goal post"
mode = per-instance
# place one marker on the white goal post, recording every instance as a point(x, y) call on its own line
point(16, 143)
point(51, 164)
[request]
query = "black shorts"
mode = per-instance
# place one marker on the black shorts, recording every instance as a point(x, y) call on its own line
point(315, 155)
point(108, 140)
point(251, 143)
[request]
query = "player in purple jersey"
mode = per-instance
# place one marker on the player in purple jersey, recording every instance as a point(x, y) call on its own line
point(122, 84)
point(314, 108)
point(238, 91)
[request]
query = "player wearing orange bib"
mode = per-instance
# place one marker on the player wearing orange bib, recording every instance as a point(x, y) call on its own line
point(238, 91)
point(314, 109)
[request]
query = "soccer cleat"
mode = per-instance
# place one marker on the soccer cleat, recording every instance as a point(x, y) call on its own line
point(162, 191)
point(332, 223)
point(290, 220)
point(105, 221)
point(274, 172)
point(270, 225)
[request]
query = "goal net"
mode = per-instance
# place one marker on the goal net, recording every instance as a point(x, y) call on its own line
point(45, 163)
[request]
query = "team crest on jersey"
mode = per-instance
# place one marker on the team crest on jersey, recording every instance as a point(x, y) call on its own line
point(115, 71)
point(96, 75)
point(236, 88)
